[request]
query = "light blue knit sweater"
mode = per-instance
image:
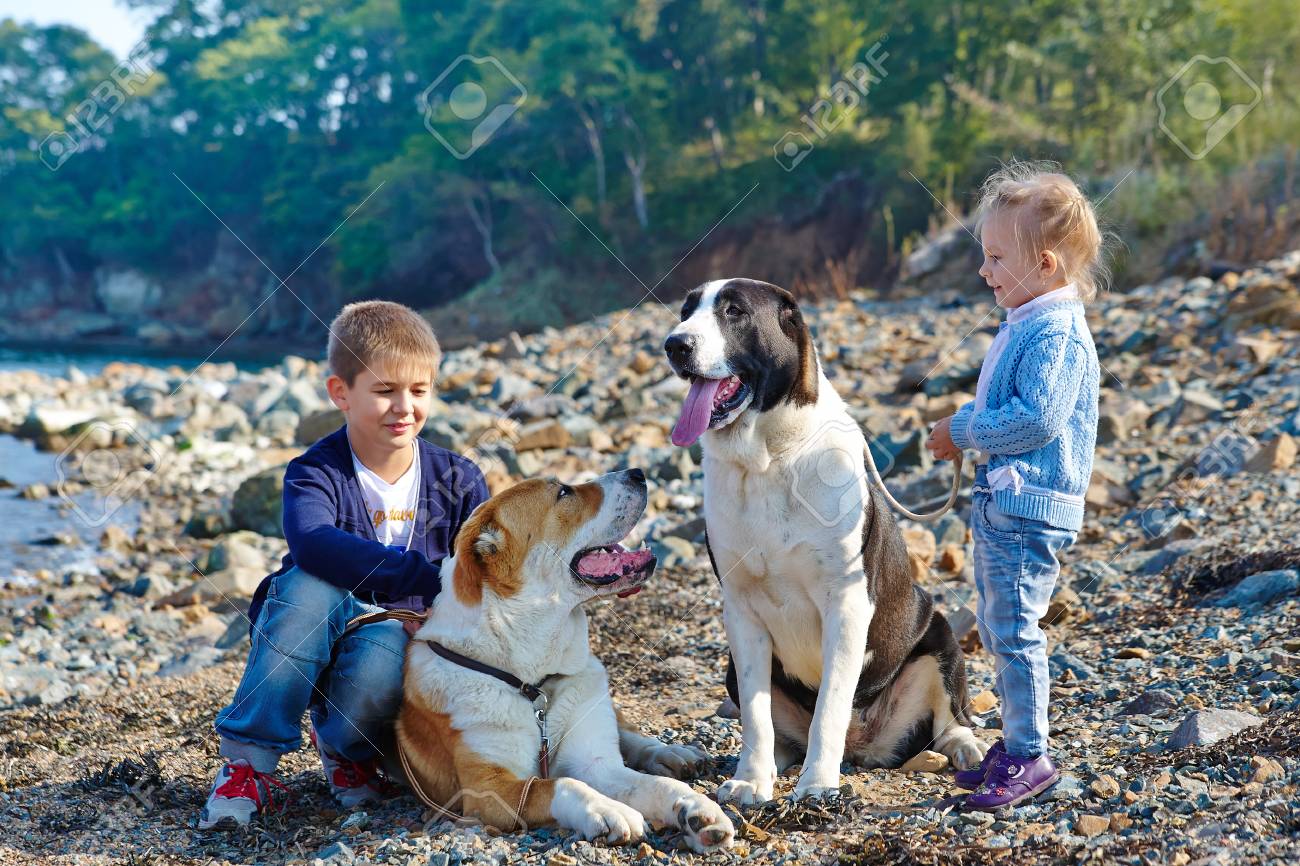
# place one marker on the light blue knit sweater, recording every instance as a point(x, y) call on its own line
point(1040, 416)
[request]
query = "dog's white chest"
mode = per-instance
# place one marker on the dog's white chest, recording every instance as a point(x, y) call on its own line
point(774, 555)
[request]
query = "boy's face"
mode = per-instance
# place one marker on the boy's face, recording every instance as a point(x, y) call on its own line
point(1015, 275)
point(385, 408)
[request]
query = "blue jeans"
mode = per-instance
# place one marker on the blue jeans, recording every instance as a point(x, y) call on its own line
point(353, 684)
point(1016, 568)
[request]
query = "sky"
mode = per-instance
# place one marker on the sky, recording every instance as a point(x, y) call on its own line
point(109, 23)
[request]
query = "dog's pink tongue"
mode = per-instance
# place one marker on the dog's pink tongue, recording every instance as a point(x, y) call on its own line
point(696, 410)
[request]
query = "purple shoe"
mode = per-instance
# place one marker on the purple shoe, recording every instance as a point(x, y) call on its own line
point(974, 777)
point(1011, 781)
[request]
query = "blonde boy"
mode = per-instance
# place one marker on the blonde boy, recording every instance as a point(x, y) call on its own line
point(369, 513)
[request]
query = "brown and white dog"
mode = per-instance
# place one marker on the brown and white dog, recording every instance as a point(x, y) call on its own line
point(525, 564)
point(834, 650)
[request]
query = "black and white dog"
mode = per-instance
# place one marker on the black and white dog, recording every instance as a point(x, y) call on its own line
point(834, 650)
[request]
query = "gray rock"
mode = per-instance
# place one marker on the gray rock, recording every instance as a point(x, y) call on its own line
point(150, 586)
point(690, 530)
point(257, 503)
point(317, 425)
point(1151, 702)
point(1058, 663)
point(1209, 726)
point(280, 425)
point(238, 549)
point(236, 633)
point(191, 662)
point(1069, 787)
point(510, 389)
point(1261, 588)
point(336, 852)
point(1227, 660)
point(301, 397)
point(677, 465)
point(1092, 575)
point(56, 692)
point(1162, 559)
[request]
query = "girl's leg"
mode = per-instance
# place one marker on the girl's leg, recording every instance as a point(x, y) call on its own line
point(987, 558)
point(1021, 593)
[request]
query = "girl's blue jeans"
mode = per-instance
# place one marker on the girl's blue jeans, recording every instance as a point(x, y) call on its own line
point(352, 684)
point(1016, 567)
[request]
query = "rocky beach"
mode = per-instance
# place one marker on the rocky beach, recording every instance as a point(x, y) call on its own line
point(142, 508)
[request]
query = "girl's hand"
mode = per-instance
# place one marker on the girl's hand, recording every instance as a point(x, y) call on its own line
point(411, 627)
point(940, 443)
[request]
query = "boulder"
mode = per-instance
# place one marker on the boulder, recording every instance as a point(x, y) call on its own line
point(279, 425)
point(257, 503)
point(51, 427)
point(235, 550)
point(302, 396)
point(319, 424)
point(191, 662)
point(542, 434)
point(1261, 588)
point(1209, 726)
point(220, 586)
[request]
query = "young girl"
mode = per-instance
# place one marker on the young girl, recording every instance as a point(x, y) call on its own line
point(1034, 422)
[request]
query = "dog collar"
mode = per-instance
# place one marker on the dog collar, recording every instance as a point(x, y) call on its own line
point(532, 691)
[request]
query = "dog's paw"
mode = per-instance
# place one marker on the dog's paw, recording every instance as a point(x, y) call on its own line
point(671, 760)
point(704, 825)
point(963, 748)
point(812, 792)
point(743, 792)
point(816, 784)
point(612, 821)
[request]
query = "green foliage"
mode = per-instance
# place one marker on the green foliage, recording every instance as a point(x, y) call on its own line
point(647, 120)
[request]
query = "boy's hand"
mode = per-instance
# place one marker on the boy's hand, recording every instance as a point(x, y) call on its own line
point(411, 627)
point(940, 443)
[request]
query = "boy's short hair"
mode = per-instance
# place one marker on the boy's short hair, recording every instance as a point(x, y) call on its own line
point(373, 334)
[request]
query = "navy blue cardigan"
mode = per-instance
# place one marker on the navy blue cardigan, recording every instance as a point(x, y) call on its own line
point(330, 534)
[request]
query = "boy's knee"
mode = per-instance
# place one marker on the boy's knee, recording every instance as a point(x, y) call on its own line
point(376, 654)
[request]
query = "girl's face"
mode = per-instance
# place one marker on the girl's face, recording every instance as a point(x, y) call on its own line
point(1015, 275)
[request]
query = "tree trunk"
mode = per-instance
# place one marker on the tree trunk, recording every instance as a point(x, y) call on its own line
point(598, 154)
point(483, 223)
point(636, 168)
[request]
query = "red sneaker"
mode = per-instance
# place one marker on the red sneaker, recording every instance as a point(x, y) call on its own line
point(353, 783)
point(238, 793)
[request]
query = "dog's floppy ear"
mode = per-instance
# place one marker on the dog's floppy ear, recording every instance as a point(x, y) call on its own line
point(480, 541)
point(804, 389)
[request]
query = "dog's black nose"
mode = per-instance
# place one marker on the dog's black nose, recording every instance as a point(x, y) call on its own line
point(679, 348)
point(636, 475)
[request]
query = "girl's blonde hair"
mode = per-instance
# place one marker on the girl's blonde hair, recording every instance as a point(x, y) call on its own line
point(1059, 218)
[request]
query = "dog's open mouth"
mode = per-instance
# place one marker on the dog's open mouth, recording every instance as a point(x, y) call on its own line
point(614, 564)
point(708, 403)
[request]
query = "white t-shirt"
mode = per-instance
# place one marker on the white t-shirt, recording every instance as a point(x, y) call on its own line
point(392, 507)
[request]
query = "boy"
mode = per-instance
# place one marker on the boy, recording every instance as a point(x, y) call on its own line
point(369, 513)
